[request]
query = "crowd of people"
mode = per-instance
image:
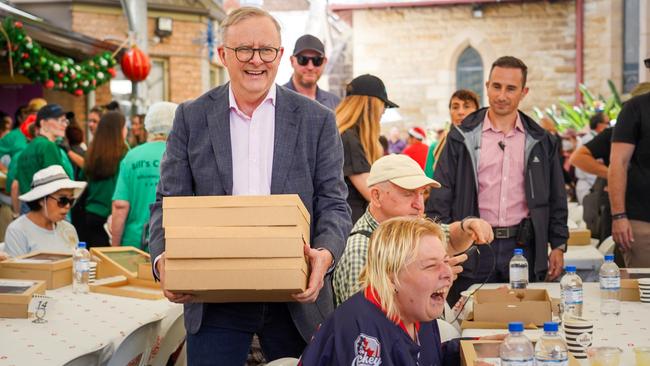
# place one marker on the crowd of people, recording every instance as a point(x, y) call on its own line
point(61, 191)
point(393, 221)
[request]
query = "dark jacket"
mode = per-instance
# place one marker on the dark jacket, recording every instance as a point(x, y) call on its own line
point(307, 161)
point(457, 172)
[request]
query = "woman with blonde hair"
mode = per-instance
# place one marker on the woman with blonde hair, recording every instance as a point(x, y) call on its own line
point(392, 321)
point(358, 118)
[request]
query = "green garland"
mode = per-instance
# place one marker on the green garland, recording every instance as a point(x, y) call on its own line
point(54, 72)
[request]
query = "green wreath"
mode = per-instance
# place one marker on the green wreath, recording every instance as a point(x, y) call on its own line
point(39, 65)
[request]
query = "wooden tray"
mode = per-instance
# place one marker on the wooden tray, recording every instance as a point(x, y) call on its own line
point(128, 287)
point(15, 296)
point(116, 261)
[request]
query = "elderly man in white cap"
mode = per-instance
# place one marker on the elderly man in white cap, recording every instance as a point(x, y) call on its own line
point(139, 175)
point(397, 185)
point(44, 228)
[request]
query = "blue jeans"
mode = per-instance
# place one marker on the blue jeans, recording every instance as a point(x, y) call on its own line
point(227, 331)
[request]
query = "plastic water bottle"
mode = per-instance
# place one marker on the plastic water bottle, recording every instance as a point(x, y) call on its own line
point(516, 349)
point(551, 349)
point(518, 270)
point(571, 289)
point(610, 287)
point(80, 269)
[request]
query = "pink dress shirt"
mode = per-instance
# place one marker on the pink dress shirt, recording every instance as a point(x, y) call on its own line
point(251, 140)
point(501, 176)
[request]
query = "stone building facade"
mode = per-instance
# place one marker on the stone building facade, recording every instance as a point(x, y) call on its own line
point(416, 49)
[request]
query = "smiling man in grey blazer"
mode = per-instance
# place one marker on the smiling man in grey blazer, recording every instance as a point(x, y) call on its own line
point(253, 137)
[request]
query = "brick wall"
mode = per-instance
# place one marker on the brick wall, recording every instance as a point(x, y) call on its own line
point(184, 50)
point(415, 50)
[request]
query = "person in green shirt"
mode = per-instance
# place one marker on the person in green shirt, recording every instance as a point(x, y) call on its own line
point(139, 176)
point(101, 169)
point(461, 104)
point(42, 151)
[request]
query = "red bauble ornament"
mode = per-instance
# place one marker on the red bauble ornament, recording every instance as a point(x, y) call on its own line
point(18, 25)
point(49, 84)
point(25, 55)
point(135, 64)
point(112, 72)
point(60, 75)
point(78, 92)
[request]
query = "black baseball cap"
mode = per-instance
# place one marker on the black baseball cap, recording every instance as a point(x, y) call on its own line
point(369, 85)
point(309, 42)
point(49, 111)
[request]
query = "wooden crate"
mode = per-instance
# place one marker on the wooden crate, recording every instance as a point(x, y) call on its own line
point(15, 296)
point(53, 268)
point(116, 261)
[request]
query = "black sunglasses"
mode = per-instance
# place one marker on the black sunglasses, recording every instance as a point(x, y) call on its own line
point(315, 60)
point(63, 201)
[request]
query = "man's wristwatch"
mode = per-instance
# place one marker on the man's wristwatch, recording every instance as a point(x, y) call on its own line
point(462, 222)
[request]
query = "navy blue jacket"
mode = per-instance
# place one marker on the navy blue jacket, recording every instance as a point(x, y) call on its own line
point(359, 333)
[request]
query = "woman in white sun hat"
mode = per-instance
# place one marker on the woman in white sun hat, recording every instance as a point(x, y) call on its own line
point(43, 228)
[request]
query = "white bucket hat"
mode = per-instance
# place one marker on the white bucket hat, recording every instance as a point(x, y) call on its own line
point(49, 180)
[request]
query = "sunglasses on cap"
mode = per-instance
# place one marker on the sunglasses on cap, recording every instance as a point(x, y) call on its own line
point(315, 60)
point(63, 201)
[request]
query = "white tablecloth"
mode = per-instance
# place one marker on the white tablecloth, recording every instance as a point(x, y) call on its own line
point(78, 324)
point(628, 330)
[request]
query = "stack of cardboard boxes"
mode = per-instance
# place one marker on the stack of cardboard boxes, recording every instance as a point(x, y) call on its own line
point(236, 248)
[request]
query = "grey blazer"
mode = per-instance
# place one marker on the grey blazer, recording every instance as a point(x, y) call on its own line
point(307, 160)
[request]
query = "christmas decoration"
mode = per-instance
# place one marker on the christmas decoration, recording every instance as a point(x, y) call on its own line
point(38, 64)
point(135, 64)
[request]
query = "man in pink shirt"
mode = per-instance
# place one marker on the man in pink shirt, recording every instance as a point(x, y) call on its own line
point(253, 137)
point(500, 165)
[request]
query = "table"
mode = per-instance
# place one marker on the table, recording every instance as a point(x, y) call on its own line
point(628, 330)
point(77, 324)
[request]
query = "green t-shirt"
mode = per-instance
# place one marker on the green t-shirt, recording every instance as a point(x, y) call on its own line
point(39, 154)
point(139, 176)
point(11, 171)
point(99, 196)
point(13, 143)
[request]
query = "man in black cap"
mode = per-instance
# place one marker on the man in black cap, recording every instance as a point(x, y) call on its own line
point(308, 61)
point(629, 169)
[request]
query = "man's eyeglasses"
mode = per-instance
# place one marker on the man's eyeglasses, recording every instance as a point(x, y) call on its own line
point(315, 60)
point(63, 201)
point(245, 54)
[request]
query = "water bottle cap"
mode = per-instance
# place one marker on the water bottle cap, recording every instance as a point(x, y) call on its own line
point(550, 327)
point(82, 244)
point(519, 251)
point(570, 269)
point(609, 258)
point(516, 327)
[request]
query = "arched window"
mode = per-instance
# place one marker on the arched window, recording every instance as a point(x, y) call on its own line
point(469, 72)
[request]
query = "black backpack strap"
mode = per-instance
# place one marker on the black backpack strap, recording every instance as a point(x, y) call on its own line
point(365, 233)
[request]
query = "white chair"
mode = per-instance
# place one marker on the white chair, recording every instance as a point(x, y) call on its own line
point(607, 246)
point(139, 342)
point(447, 331)
point(92, 358)
point(170, 342)
point(287, 361)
